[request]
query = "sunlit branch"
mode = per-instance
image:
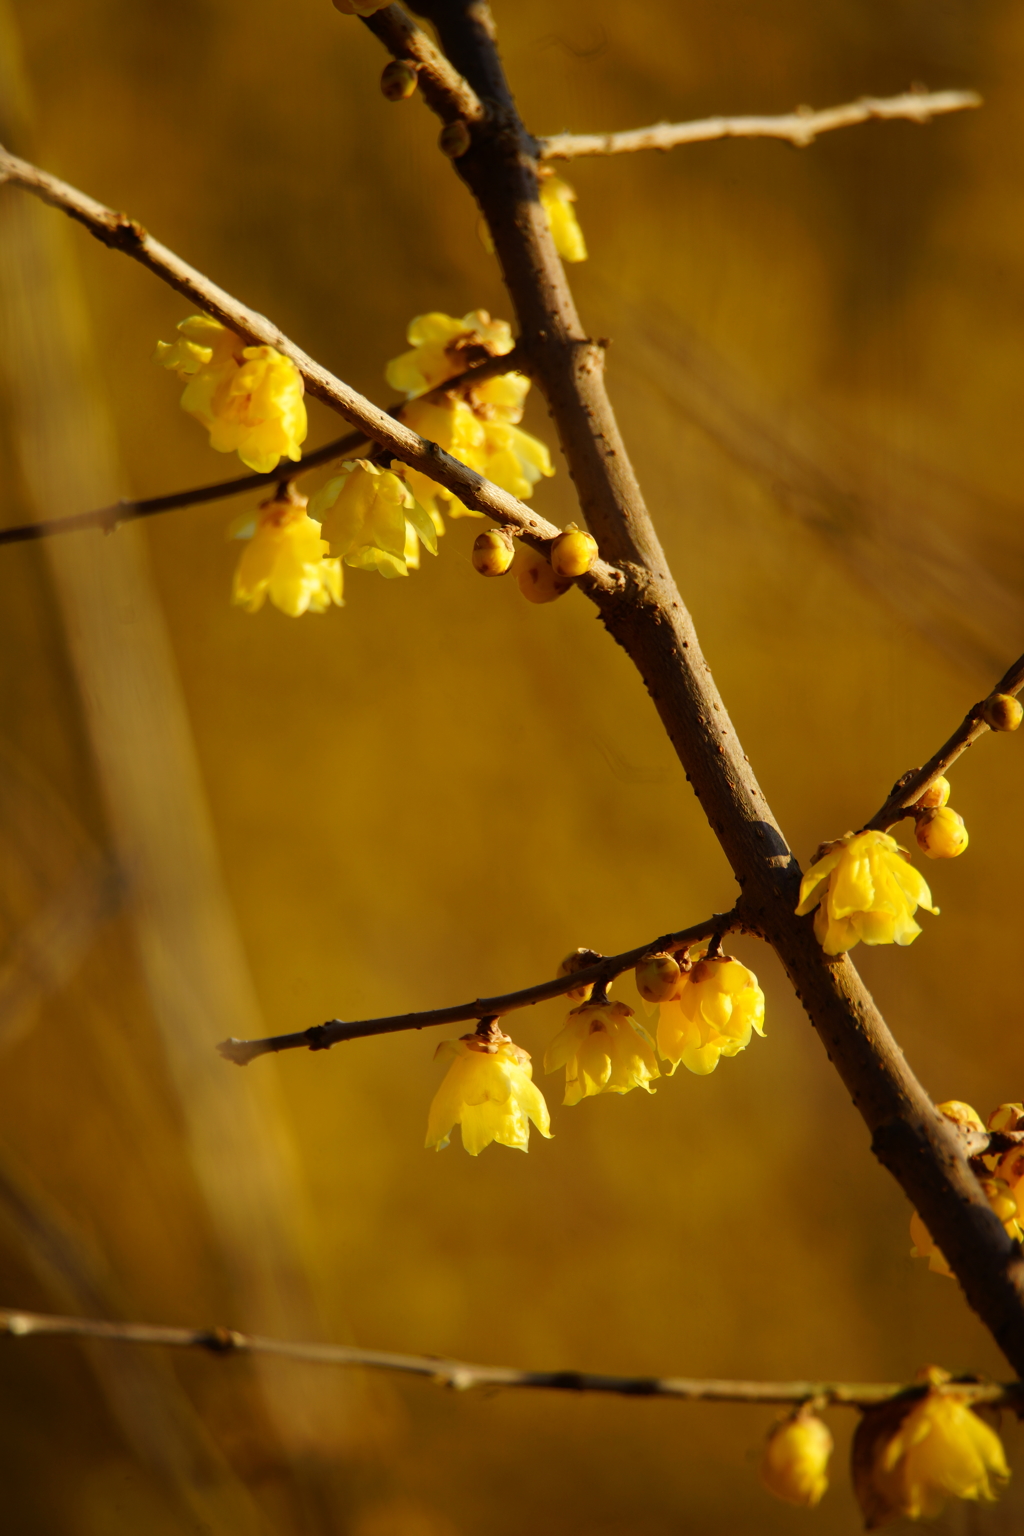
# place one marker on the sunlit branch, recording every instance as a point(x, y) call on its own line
point(322, 1036)
point(912, 785)
point(463, 1376)
point(109, 518)
point(443, 88)
point(800, 127)
point(124, 234)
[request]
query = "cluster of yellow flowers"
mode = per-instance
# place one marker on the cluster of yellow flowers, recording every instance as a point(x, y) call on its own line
point(864, 887)
point(602, 1046)
point(1002, 1177)
point(910, 1456)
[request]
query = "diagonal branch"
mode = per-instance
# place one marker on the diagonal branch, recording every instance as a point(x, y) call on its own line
point(912, 785)
point(110, 518)
point(322, 1036)
point(462, 1376)
point(800, 127)
point(121, 233)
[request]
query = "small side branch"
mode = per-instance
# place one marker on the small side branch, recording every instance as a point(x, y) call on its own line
point(801, 127)
point(322, 1036)
point(462, 1376)
point(444, 89)
point(110, 518)
point(913, 784)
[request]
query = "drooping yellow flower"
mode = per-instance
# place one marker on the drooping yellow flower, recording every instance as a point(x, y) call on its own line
point(717, 1005)
point(795, 1462)
point(557, 198)
point(864, 889)
point(603, 1050)
point(453, 426)
point(372, 520)
point(248, 398)
point(910, 1462)
point(489, 1091)
point(443, 347)
point(284, 560)
point(514, 459)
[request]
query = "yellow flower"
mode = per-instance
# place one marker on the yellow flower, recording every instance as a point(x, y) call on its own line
point(909, 1462)
point(795, 1462)
point(489, 1092)
point(443, 347)
point(373, 521)
point(284, 561)
point(717, 1005)
point(557, 198)
point(248, 398)
point(455, 428)
point(866, 890)
point(513, 459)
point(603, 1050)
point(941, 833)
point(1001, 1190)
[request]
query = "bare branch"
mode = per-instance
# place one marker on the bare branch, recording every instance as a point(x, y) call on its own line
point(443, 88)
point(322, 1036)
point(110, 518)
point(121, 233)
point(912, 785)
point(462, 1376)
point(800, 127)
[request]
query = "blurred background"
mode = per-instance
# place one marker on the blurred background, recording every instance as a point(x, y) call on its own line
point(220, 824)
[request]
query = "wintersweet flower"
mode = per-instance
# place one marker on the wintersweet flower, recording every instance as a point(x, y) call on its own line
point(864, 889)
point(909, 1462)
point(795, 1462)
point(248, 398)
point(514, 459)
point(603, 1050)
point(941, 833)
point(284, 560)
point(373, 521)
point(453, 426)
point(489, 1091)
point(557, 198)
point(717, 1006)
point(443, 347)
point(1001, 1190)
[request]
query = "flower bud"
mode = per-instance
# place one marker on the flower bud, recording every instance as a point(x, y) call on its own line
point(1007, 1117)
point(935, 795)
point(493, 552)
point(1002, 712)
point(941, 833)
point(573, 552)
point(657, 978)
point(453, 139)
point(961, 1114)
point(796, 1458)
point(537, 581)
point(398, 80)
point(579, 960)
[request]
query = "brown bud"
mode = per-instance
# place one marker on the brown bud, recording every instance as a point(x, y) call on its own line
point(453, 139)
point(398, 80)
point(1002, 712)
point(493, 551)
point(658, 978)
point(573, 552)
point(579, 960)
point(537, 581)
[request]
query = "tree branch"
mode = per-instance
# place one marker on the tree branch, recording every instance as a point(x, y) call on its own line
point(462, 1376)
point(322, 1036)
point(649, 619)
point(913, 784)
point(121, 233)
point(110, 518)
point(800, 127)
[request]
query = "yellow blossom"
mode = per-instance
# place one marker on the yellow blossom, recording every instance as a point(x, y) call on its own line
point(603, 1050)
point(443, 347)
point(284, 561)
point(941, 833)
point(557, 198)
point(372, 519)
point(908, 1462)
point(867, 891)
point(489, 1092)
point(717, 1005)
point(514, 459)
point(1001, 1190)
point(248, 398)
point(795, 1462)
point(453, 426)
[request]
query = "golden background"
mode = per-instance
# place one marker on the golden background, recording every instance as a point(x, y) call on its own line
point(434, 793)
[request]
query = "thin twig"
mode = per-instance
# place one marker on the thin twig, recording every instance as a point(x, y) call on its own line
point(913, 785)
point(110, 518)
point(322, 1036)
point(800, 127)
point(463, 1376)
point(442, 87)
point(124, 234)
